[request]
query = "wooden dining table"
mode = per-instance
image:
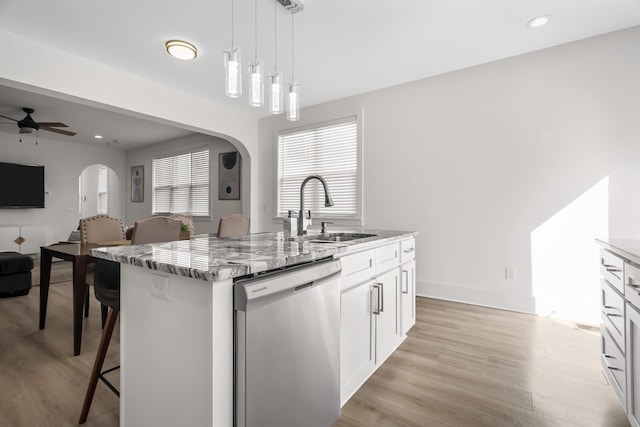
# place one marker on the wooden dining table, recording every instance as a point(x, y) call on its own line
point(78, 255)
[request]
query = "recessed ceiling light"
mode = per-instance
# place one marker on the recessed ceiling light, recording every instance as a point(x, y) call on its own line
point(97, 136)
point(539, 21)
point(181, 49)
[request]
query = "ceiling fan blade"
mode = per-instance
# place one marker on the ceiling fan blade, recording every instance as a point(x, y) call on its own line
point(60, 131)
point(15, 120)
point(52, 124)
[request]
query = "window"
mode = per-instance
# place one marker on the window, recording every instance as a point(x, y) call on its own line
point(331, 151)
point(181, 183)
point(103, 189)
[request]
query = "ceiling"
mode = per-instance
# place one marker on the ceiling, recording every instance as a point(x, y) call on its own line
point(342, 48)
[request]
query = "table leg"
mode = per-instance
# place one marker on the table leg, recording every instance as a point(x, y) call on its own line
point(79, 291)
point(45, 277)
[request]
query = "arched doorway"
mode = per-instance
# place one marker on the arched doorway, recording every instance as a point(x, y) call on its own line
point(98, 191)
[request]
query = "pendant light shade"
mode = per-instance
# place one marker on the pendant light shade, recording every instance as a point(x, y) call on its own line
point(293, 88)
point(276, 99)
point(232, 72)
point(256, 84)
point(293, 97)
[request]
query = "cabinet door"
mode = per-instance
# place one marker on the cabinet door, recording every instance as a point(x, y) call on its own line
point(8, 235)
point(407, 296)
point(357, 359)
point(633, 365)
point(387, 313)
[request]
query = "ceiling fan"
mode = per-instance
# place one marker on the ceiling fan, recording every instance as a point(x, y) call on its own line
point(28, 125)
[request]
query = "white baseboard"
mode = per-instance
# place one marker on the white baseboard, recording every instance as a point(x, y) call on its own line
point(577, 311)
point(482, 297)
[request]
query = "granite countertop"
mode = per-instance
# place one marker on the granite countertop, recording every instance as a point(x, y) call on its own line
point(208, 258)
point(626, 248)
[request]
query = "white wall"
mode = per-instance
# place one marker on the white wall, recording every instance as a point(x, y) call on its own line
point(481, 160)
point(63, 162)
point(144, 156)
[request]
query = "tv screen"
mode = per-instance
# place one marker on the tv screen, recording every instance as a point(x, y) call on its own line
point(21, 186)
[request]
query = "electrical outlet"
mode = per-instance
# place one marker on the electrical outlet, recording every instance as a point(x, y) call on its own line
point(509, 273)
point(160, 286)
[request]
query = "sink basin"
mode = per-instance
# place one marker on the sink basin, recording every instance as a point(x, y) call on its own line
point(340, 237)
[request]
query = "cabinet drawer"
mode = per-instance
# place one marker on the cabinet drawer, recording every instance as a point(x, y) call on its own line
point(611, 268)
point(613, 364)
point(358, 268)
point(612, 306)
point(632, 284)
point(387, 257)
point(407, 250)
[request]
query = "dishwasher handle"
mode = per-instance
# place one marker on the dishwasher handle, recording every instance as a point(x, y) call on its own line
point(271, 286)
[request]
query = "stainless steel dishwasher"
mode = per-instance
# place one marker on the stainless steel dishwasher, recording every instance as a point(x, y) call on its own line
point(287, 347)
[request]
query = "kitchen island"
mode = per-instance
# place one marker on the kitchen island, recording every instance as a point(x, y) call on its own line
point(177, 331)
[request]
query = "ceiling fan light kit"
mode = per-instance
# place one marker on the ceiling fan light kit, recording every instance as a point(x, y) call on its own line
point(28, 125)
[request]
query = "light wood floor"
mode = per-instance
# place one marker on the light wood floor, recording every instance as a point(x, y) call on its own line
point(461, 365)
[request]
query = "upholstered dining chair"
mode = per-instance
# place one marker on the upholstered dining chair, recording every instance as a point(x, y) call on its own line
point(94, 229)
point(156, 229)
point(233, 226)
point(101, 228)
point(107, 290)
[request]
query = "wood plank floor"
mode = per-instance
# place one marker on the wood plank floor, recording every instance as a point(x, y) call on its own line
point(461, 365)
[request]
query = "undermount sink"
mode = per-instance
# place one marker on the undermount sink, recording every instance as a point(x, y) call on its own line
point(340, 237)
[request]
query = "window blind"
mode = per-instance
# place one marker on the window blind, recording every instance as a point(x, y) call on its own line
point(181, 184)
point(329, 151)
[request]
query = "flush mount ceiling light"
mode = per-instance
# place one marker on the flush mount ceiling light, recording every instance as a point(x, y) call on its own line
point(97, 136)
point(181, 50)
point(539, 21)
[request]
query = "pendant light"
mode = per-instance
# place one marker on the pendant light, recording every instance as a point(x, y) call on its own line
point(275, 79)
point(256, 83)
point(232, 67)
point(293, 88)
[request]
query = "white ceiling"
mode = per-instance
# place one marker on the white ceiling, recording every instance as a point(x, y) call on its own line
point(342, 48)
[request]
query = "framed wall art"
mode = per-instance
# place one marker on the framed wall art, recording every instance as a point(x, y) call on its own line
point(137, 183)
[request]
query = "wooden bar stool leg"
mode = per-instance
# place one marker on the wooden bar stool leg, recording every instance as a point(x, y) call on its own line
point(97, 366)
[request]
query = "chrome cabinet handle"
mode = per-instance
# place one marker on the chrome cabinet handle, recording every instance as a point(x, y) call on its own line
point(406, 282)
point(377, 310)
point(381, 297)
point(408, 251)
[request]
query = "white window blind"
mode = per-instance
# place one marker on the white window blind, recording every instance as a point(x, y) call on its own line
point(181, 184)
point(103, 190)
point(330, 151)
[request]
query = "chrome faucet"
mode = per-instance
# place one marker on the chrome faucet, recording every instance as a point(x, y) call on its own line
point(303, 221)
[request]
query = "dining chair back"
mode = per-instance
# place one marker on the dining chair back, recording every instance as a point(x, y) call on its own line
point(233, 226)
point(100, 228)
point(156, 229)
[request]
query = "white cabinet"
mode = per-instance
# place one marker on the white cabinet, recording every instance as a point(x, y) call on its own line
point(372, 309)
point(357, 338)
point(386, 314)
point(407, 296)
point(25, 239)
point(633, 365)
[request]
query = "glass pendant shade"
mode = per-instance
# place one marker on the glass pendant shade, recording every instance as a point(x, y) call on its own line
point(276, 101)
point(256, 84)
point(233, 74)
point(293, 97)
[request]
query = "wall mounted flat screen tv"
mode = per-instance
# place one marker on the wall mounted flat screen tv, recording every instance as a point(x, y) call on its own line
point(21, 186)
